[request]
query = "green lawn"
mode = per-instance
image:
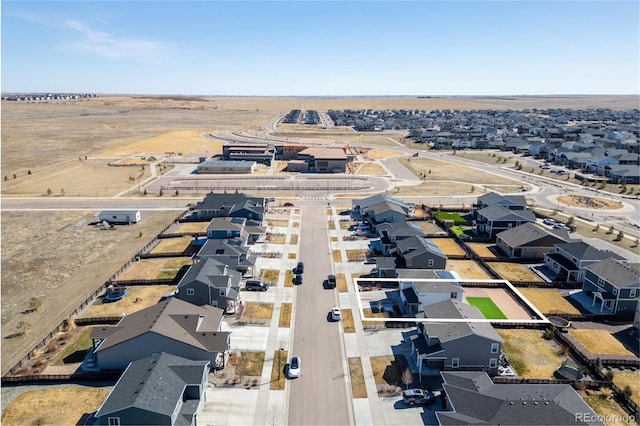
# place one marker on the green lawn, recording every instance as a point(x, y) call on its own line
point(457, 219)
point(487, 307)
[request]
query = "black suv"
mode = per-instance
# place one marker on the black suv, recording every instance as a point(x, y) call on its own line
point(331, 281)
point(299, 268)
point(418, 397)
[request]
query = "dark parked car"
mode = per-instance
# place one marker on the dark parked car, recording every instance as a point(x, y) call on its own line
point(300, 268)
point(418, 397)
point(297, 279)
point(331, 281)
point(254, 285)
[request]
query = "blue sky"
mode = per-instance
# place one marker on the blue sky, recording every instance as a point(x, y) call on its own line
point(322, 48)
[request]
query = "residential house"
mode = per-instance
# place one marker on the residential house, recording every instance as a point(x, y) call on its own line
point(596, 163)
point(622, 173)
point(429, 289)
point(455, 345)
point(496, 218)
point(231, 205)
point(392, 232)
point(384, 212)
point(234, 227)
point(419, 253)
point(173, 326)
point(529, 241)
point(360, 207)
point(614, 286)
point(211, 282)
point(474, 399)
point(161, 389)
point(569, 260)
point(512, 202)
point(324, 160)
point(228, 251)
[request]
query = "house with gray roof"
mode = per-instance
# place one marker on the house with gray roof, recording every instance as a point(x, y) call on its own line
point(494, 219)
point(529, 241)
point(614, 286)
point(234, 227)
point(211, 282)
point(391, 233)
point(474, 399)
point(415, 295)
point(512, 202)
point(623, 173)
point(161, 389)
point(359, 207)
point(455, 345)
point(569, 260)
point(229, 251)
point(173, 326)
point(384, 212)
point(231, 205)
point(419, 253)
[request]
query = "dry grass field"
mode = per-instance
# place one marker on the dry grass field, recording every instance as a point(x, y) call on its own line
point(172, 245)
point(428, 227)
point(448, 246)
point(530, 354)
point(629, 378)
point(154, 268)
point(513, 271)
point(377, 154)
point(549, 301)
point(482, 250)
point(137, 298)
point(358, 385)
point(190, 227)
point(599, 342)
point(371, 170)
point(467, 269)
point(54, 405)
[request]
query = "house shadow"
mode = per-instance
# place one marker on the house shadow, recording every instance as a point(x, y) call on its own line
point(629, 339)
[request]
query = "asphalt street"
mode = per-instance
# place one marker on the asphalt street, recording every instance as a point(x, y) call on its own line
point(319, 395)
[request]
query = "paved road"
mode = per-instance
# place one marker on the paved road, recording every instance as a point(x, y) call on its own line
point(319, 396)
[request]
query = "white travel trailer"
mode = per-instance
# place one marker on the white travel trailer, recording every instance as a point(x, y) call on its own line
point(120, 216)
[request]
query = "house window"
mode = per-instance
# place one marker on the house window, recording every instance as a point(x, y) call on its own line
point(430, 262)
point(454, 295)
point(601, 282)
point(221, 292)
point(455, 362)
point(493, 362)
point(190, 292)
point(214, 303)
point(615, 291)
point(494, 348)
point(555, 265)
point(632, 292)
point(114, 421)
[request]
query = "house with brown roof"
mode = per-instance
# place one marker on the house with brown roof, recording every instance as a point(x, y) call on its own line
point(324, 160)
point(173, 326)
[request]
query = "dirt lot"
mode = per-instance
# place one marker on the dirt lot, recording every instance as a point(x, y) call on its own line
point(371, 170)
point(428, 227)
point(189, 228)
point(548, 301)
point(513, 271)
point(448, 246)
point(467, 269)
point(530, 354)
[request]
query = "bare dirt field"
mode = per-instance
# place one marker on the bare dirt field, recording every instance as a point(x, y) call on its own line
point(513, 271)
point(448, 246)
point(371, 170)
point(190, 228)
point(599, 342)
point(428, 227)
point(467, 269)
point(589, 202)
point(530, 354)
point(549, 301)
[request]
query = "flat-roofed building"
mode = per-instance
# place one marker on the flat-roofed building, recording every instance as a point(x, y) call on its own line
point(225, 167)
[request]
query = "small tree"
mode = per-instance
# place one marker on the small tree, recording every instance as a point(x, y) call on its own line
point(29, 172)
point(473, 188)
point(49, 192)
point(62, 191)
point(620, 236)
point(6, 178)
point(570, 220)
point(628, 391)
point(140, 234)
point(161, 193)
point(23, 327)
point(596, 228)
point(34, 304)
point(610, 231)
point(145, 192)
point(407, 377)
point(14, 176)
point(177, 192)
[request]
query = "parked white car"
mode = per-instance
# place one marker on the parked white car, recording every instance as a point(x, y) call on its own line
point(294, 367)
point(336, 314)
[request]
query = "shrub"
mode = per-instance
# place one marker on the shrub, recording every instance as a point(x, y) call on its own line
point(605, 393)
point(628, 391)
point(547, 335)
